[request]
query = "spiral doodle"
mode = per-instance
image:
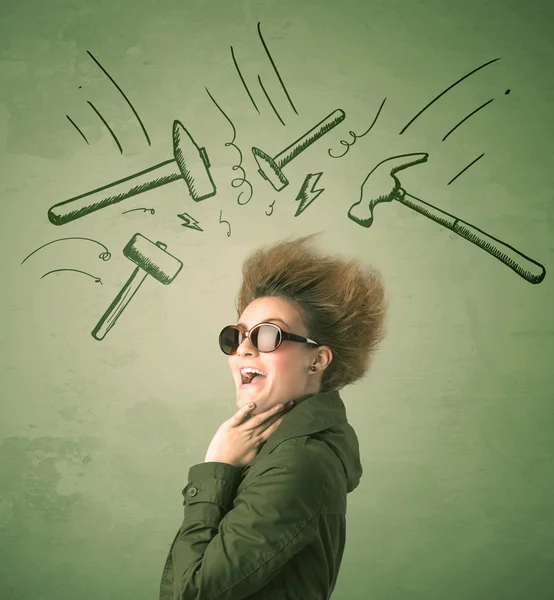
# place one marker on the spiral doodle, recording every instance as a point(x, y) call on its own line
point(356, 136)
point(237, 181)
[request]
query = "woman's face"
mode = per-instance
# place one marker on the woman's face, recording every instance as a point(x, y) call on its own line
point(287, 369)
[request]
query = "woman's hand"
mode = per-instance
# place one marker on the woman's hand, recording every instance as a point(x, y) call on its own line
point(237, 441)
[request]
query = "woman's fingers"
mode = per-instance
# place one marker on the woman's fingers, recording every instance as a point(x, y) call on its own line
point(261, 420)
point(267, 418)
point(238, 417)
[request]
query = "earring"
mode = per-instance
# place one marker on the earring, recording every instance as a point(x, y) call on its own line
point(313, 368)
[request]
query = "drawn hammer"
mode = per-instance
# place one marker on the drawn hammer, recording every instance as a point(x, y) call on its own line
point(271, 169)
point(152, 259)
point(382, 185)
point(189, 162)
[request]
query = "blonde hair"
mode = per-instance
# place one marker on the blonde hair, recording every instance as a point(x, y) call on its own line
point(341, 303)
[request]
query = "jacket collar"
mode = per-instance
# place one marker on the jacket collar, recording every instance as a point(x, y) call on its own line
point(313, 414)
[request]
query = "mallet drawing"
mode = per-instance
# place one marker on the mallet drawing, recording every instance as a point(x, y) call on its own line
point(189, 162)
point(151, 259)
point(271, 169)
point(382, 185)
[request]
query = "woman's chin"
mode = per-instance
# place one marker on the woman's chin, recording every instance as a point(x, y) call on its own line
point(248, 392)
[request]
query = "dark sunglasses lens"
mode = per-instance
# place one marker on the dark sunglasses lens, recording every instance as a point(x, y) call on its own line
point(265, 338)
point(230, 339)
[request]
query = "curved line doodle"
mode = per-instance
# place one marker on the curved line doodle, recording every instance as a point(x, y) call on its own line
point(124, 96)
point(237, 181)
point(270, 206)
point(106, 124)
point(444, 92)
point(96, 279)
point(150, 210)
point(223, 221)
point(77, 128)
point(465, 168)
point(357, 136)
point(102, 256)
point(275, 68)
point(466, 118)
point(269, 100)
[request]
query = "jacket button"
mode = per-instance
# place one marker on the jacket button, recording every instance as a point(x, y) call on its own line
point(192, 491)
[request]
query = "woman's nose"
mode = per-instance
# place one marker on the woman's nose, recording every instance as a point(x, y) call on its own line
point(245, 345)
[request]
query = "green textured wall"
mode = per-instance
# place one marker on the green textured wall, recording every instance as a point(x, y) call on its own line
point(455, 418)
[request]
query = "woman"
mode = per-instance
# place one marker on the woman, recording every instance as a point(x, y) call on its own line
point(265, 514)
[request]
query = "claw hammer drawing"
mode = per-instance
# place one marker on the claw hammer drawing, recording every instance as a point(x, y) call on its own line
point(380, 188)
point(189, 162)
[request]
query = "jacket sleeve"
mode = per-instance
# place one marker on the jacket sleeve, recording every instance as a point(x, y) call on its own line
point(230, 547)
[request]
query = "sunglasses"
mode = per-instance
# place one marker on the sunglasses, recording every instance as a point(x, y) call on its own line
point(265, 337)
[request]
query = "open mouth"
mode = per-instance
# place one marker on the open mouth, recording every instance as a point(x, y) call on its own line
point(251, 380)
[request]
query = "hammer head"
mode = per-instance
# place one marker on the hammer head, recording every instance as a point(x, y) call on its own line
point(382, 185)
point(193, 163)
point(269, 169)
point(153, 258)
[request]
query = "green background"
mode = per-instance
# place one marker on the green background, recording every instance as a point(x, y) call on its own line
point(455, 417)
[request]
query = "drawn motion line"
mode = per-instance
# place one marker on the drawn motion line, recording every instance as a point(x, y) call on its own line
point(445, 91)
point(124, 96)
point(112, 133)
point(242, 79)
point(466, 118)
point(102, 256)
point(275, 69)
point(150, 210)
point(96, 279)
point(77, 128)
point(269, 100)
point(465, 169)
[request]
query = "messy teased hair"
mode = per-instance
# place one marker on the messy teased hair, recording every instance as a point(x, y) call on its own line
point(341, 303)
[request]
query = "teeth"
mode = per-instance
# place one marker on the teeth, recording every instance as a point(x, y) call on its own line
point(252, 370)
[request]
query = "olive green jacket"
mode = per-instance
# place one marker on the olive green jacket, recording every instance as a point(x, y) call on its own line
point(276, 529)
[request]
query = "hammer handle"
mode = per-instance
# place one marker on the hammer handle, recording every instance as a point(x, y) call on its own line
point(524, 266)
point(118, 305)
point(79, 206)
point(309, 138)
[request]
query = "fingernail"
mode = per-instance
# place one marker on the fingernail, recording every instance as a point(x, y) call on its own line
point(279, 407)
point(290, 403)
point(251, 405)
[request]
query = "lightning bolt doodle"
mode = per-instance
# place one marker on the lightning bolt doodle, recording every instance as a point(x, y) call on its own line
point(307, 193)
point(189, 222)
